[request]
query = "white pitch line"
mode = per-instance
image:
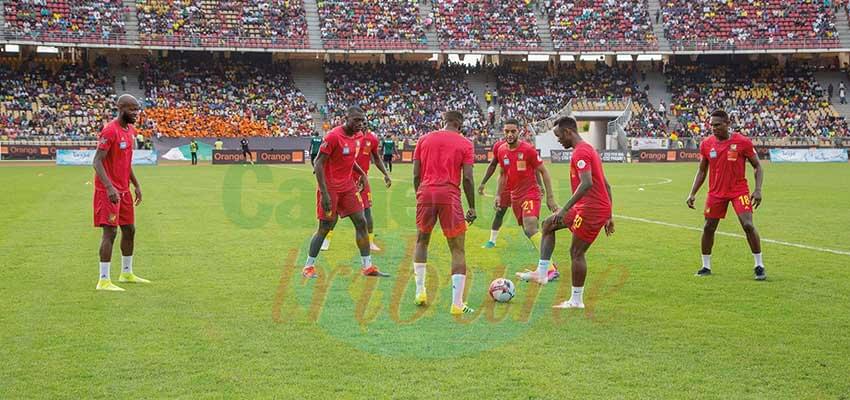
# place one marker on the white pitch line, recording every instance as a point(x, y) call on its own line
point(736, 235)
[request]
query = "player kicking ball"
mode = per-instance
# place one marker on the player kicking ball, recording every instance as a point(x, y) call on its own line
point(439, 160)
point(113, 203)
point(724, 156)
point(585, 214)
point(338, 196)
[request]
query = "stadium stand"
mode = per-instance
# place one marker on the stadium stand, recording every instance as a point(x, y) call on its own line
point(51, 100)
point(727, 25)
point(531, 93)
point(403, 99)
point(73, 21)
point(486, 24)
point(599, 25)
point(371, 24)
point(222, 98)
point(762, 100)
point(208, 23)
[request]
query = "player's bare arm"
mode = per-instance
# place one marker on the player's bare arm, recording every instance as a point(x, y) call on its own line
point(380, 164)
point(543, 175)
point(491, 169)
point(319, 170)
point(499, 187)
point(469, 191)
point(759, 172)
point(101, 174)
point(363, 179)
point(417, 174)
point(586, 182)
point(699, 179)
point(138, 189)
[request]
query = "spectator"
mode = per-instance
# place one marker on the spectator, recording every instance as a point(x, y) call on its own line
point(388, 23)
point(486, 24)
point(96, 21)
point(601, 24)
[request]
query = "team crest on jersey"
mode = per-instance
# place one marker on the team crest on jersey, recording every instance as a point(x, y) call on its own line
point(734, 147)
point(520, 155)
point(581, 164)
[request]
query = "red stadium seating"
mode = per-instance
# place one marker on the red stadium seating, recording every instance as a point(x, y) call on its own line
point(75, 21)
point(388, 24)
point(601, 25)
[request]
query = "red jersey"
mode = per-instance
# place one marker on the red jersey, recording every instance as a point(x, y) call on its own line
point(520, 168)
point(727, 169)
point(442, 155)
point(368, 146)
point(496, 146)
point(341, 152)
point(596, 200)
point(118, 144)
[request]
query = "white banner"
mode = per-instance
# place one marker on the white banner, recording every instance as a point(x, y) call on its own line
point(648, 143)
point(808, 155)
point(86, 157)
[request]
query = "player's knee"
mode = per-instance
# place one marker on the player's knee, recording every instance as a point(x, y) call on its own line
point(529, 230)
point(128, 231)
point(748, 227)
point(109, 233)
point(577, 253)
point(548, 225)
point(709, 227)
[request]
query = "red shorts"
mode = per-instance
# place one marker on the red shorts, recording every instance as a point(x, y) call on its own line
point(505, 199)
point(366, 196)
point(343, 204)
point(716, 207)
point(450, 215)
point(584, 225)
point(107, 213)
point(526, 207)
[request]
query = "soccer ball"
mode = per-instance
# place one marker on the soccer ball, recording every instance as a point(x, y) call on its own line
point(502, 290)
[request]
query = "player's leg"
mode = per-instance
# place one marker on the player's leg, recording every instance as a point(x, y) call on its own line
point(551, 225)
point(366, 198)
point(454, 228)
point(746, 219)
point(707, 243)
point(107, 240)
point(128, 239)
point(578, 249)
point(362, 238)
point(420, 261)
point(326, 242)
point(325, 226)
point(530, 229)
point(494, 228)
point(457, 248)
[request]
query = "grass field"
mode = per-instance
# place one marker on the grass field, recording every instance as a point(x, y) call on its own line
point(227, 315)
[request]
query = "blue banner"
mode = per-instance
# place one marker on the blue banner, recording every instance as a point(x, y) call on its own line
point(808, 155)
point(86, 157)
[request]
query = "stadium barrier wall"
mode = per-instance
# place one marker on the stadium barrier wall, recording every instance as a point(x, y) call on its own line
point(36, 152)
point(482, 155)
point(665, 155)
point(86, 157)
point(607, 156)
point(808, 155)
point(648, 143)
point(260, 156)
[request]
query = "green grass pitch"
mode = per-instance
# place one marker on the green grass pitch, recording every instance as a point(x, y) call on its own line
point(228, 316)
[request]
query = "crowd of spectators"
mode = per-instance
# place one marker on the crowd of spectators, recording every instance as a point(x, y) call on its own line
point(54, 102)
point(100, 21)
point(222, 98)
point(371, 23)
point(713, 24)
point(762, 100)
point(246, 23)
point(486, 24)
point(403, 99)
point(600, 25)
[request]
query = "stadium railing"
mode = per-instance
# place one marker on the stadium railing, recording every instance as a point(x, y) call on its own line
point(475, 44)
point(373, 44)
point(600, 45)
point(221, 41)
point(86, 38)
point(757, 44)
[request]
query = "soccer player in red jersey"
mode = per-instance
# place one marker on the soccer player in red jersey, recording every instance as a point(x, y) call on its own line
point(724, 158)
point(439, 160)
point(113, 204)
point(585, 213)
point(368, 153)
point(521, 165)
point(503, 198)
point(338, 195)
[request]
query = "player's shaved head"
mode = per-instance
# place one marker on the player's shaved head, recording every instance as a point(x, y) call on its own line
point(719, 122)
point(354, 119)
point(128, 109)
point(453, 119)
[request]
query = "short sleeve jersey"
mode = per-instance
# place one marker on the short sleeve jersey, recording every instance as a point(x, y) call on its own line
point(727, 166)
point(341, 152)
point(118, 144)
point(441, 156)
point(520, 166)
point(585, 158)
